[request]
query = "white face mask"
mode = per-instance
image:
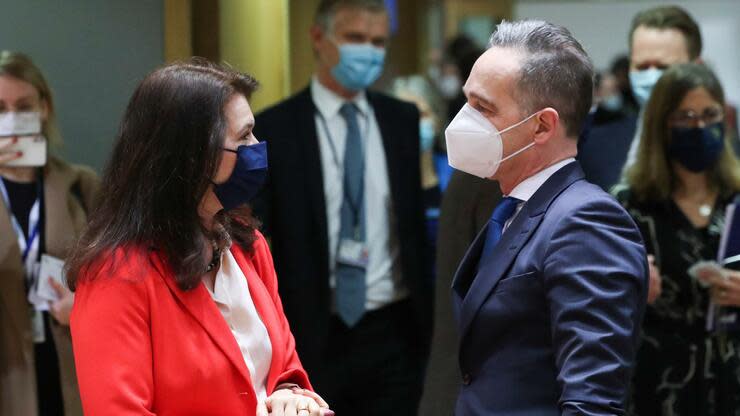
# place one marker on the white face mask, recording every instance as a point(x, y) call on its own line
point(474, 145)
point(20, 124)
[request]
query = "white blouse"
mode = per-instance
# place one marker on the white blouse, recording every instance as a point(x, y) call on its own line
point(231, 294)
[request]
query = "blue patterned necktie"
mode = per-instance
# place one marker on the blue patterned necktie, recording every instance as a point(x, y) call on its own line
point(350, 280)
point(504, 210)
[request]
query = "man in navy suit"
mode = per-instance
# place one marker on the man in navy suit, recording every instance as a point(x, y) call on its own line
point(550, 296)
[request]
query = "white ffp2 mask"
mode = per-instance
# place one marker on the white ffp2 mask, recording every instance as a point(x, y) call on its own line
point(474, 145)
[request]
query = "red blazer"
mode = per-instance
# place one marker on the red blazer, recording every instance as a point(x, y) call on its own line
point(142, 346)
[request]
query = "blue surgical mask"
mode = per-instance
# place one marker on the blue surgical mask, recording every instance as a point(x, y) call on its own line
point(426, 134)
point(642, 83)
point(450, 86)
point(612, 102)
point(360, 64)
point(247, 177)
point(697, 148)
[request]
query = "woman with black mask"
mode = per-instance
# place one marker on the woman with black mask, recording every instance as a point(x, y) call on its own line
point(177, 308)
point(685, 175)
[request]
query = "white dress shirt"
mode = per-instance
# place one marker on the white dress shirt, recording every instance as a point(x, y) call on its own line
point(529, 186)
point(383, 276)
point(231, 294)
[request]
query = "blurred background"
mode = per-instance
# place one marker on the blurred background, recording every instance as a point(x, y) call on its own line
point(94, 52)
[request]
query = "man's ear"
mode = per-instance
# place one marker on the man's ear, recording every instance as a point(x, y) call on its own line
point(548, 121)
point(316, 33)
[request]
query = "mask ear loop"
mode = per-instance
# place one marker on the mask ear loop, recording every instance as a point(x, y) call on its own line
point(523, 148)
point(225, 149)
point(519, 123)
point(515, 153)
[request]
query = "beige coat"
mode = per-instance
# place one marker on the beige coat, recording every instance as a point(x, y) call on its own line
point(65, 218)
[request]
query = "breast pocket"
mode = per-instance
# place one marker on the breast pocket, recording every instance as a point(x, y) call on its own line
point(518, 282)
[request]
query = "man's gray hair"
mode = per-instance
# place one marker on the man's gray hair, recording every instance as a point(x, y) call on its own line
point(328, 8)
point(555, 70)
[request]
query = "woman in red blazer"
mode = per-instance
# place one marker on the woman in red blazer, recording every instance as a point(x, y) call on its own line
point(177, 309)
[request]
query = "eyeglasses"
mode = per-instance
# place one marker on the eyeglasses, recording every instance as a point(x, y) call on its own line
point(690, 118)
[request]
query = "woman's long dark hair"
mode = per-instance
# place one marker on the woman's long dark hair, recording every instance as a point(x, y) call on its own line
point(168, 148)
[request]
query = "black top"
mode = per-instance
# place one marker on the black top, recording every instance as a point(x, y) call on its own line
point(22, 197)
point(681, 368)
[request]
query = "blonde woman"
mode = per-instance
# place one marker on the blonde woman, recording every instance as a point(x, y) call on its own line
point(42, 210)
point(677, 191)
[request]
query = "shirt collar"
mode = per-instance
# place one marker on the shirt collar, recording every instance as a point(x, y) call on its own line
point(328, 103)
point(529, 186)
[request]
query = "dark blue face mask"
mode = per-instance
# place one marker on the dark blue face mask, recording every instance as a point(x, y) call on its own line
point(697, 148)
point(247, 177)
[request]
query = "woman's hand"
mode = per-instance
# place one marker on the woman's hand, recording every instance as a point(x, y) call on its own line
point(726, 291)
point(656, 285)
point(62, 308)
point(7, 155)
point(293, 402)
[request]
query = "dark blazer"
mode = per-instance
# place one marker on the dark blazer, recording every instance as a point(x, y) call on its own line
point(603, 150)
point(549, 324)
point(293, 211)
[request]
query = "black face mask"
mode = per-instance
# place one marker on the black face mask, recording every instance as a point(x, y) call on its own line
point(697, 148)
point(247, 177)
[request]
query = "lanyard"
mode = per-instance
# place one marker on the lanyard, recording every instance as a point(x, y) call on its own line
point(29, 247)
point(354, 204)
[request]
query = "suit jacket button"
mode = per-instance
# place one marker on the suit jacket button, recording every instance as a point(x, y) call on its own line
point(466, 379)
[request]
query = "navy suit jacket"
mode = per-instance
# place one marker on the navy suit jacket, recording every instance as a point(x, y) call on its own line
point(549, 321)
point(603, 150)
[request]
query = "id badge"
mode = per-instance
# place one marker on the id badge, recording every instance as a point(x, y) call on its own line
point(51, 268)
point(37, 326)
point(352, 253)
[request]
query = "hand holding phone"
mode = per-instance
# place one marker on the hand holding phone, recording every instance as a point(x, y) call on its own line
point(23, 151)
point(7, 152)
point(21, 142)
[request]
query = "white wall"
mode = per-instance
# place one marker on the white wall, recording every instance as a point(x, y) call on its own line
point(603, 26)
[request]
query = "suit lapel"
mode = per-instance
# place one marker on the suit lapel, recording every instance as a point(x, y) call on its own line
point(310, 150)
point(466, 270)
point(497, 264)
point(265, 307)
point(200, 305)
point(463, 277)
point(494, 266)
point(12, 277)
